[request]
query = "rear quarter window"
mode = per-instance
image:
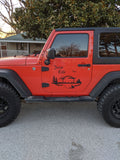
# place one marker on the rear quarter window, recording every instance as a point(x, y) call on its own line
point(109, 44)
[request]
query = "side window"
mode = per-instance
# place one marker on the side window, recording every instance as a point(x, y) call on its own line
point(71, 45)
point(109, 45)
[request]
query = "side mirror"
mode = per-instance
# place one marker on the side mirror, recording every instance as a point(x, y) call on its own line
point(51, 55)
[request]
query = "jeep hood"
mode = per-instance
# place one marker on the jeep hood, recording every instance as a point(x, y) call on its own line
point(13, 61)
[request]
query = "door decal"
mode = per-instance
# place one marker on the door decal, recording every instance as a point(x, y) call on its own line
point(60, 69)
point(67, 81)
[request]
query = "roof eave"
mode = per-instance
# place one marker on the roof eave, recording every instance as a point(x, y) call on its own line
point(17, 41)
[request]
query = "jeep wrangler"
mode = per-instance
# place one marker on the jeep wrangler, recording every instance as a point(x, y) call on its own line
point(75, 64)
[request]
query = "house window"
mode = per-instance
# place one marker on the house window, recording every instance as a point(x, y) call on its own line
point(21, 46)
point(3, 52)
point(71, 45)
point(109, 45)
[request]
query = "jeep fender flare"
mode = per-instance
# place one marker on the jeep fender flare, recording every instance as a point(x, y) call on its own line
point(104, 82)
point(13, 78)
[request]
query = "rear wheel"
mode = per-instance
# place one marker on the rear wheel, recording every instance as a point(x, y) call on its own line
point(9, 104)
point(109, 105)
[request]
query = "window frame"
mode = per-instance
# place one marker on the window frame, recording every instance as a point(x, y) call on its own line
point(71, 34)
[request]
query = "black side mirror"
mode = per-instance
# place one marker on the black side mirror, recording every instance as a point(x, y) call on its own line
point(51, 55)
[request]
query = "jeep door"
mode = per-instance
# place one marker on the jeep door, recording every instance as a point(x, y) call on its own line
point(69, 73)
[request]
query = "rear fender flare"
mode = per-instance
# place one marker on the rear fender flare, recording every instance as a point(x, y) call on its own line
point(104, 82)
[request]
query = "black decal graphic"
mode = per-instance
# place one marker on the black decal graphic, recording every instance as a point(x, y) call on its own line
point(61, 71)
point(58, 67)
point(67, 81)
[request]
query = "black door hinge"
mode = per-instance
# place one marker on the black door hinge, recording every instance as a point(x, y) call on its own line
point(43, 69)
point(45, 85)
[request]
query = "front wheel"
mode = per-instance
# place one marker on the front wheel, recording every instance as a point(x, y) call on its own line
point(110, 105)
point(9, 104)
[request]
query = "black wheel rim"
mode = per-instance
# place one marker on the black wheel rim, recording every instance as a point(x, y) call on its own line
point(3, 107)
point(116, 109)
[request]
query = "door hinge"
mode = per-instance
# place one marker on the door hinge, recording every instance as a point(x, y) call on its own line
point(43, 69)
point(45, 85)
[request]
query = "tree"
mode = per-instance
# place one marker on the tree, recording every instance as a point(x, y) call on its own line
point(39, 17)
point(8, 18)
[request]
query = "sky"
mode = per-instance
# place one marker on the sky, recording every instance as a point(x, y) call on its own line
point(3, 25)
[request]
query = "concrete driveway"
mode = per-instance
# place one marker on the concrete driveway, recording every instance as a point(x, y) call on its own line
point(59, 131)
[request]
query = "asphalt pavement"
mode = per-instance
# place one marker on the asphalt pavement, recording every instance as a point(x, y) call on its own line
point(59, 131)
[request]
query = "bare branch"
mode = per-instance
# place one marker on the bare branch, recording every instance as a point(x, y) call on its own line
point(11, 4)
point(9, 7)
point(4, 18)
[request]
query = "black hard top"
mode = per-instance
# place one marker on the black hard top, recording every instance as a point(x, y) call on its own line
point(89, 29)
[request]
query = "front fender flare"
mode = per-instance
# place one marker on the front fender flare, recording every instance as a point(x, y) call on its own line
point(14, 79)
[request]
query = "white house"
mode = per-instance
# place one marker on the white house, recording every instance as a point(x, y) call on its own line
point(17, 45)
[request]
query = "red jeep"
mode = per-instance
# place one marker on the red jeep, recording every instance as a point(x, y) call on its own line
point(75, 64)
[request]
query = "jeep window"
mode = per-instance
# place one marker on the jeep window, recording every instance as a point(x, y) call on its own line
point(71, 45)
point(109, 45)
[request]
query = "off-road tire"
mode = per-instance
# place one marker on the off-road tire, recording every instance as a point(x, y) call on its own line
point(10, 98)
point(108, 99)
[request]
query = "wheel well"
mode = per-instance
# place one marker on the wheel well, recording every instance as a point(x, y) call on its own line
point(7, 82)
point(115, 81)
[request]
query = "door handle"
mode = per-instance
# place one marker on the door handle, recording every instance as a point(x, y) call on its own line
point(84, 65)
